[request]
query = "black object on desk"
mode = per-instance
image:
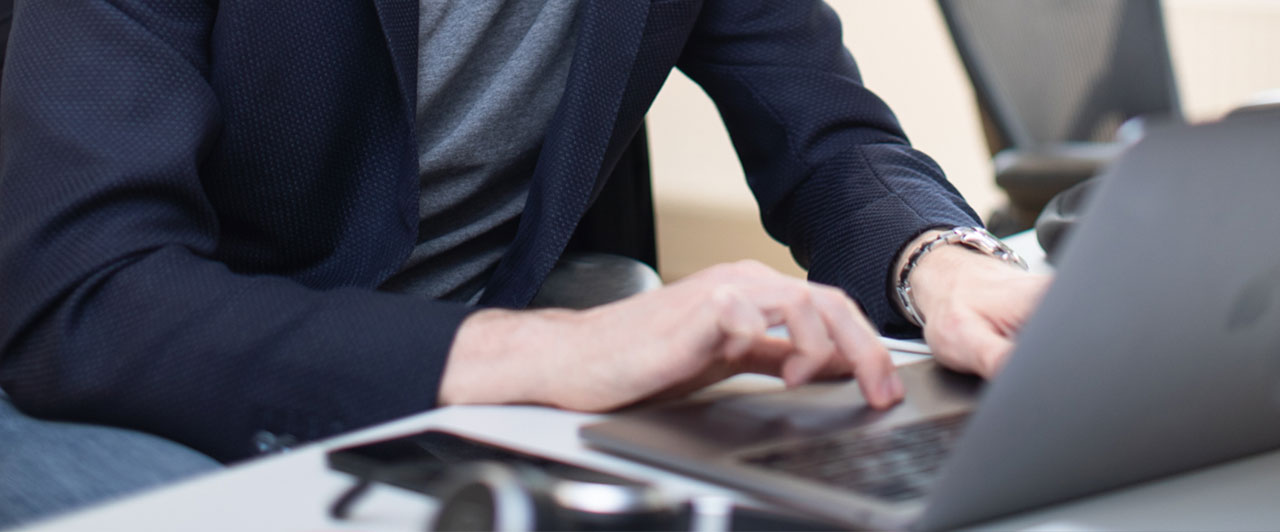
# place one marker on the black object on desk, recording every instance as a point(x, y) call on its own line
point(481, 486)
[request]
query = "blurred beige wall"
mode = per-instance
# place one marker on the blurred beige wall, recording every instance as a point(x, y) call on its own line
point(1223, 53)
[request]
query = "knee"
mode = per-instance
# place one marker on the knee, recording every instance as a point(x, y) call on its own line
point(50, 467)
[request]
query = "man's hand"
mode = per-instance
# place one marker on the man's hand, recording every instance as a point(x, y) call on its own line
point(973, 306)
point(677, 339)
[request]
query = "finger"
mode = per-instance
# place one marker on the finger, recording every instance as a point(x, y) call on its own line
point(741, 323)
point(799, 368)
point(837, 368)
point(768, 348)
point(1024, 300)
point(858, 343)
point(995, 358)
point(809, 335)
point(971, 345)
point(986, 347)
point(766, 356)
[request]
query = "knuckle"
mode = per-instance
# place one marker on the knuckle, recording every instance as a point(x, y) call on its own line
point(805, 292)
point(869, 353)
point(722, 296)
point(721, 291)
point(818, 344)
point(798, 300)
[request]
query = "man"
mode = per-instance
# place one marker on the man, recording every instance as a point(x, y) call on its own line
point(242, 223)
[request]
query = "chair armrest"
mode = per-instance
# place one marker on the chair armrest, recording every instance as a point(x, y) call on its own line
point(1262, 102)
point(1032, 177)
point(585, 280)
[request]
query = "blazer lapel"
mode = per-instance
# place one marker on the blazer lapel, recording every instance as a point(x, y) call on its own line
point(609, 35)
point(399, 19)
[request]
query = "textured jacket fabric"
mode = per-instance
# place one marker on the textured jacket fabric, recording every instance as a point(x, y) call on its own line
point(198, 198)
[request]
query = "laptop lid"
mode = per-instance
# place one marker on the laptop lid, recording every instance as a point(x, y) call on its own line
point(1157, 349)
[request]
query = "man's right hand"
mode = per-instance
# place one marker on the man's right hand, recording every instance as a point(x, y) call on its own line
point(670, 341)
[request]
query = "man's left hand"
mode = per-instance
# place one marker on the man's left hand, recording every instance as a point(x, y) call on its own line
point(973, 307)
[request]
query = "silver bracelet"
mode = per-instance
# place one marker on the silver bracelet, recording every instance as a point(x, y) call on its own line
point(975, 238)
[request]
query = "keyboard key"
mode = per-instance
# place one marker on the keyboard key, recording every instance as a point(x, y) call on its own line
point(895, 464)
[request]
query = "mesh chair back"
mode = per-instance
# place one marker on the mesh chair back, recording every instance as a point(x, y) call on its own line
point(1051, 71)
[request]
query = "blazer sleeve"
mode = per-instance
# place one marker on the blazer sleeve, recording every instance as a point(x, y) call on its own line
point(831, 169)
point(111, 309)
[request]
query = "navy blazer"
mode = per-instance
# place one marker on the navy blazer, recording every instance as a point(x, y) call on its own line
point(199, 199)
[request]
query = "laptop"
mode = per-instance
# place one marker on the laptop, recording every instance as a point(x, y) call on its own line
point(1155, 351)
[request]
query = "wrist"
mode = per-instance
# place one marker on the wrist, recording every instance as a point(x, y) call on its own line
point(937, 262)
point(494, 358)
point(900, 266)
point(910, 249)
point(941, 271)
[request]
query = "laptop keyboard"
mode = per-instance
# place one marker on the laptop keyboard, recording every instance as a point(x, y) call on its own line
point(895, 465)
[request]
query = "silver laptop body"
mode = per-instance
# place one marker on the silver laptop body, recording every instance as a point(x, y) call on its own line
point(1156, 351)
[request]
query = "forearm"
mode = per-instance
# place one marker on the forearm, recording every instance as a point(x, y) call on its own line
point(849, 231)
point(834, 174)
point(179, 346)
point(495, 358)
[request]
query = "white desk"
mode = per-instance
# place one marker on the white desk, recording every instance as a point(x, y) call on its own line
point(291, 492)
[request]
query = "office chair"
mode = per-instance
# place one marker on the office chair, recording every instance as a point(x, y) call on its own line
point(613, 253)
point(1264, 102)
point(1055, 81)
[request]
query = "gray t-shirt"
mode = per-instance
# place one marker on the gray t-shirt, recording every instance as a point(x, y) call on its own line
point(490, 73)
